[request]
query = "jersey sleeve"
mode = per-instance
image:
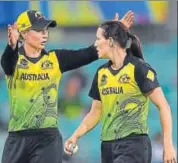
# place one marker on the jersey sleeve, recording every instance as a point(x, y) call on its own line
point(146, 77)
point(9, 60)
point(72, 59)
point(94, 91)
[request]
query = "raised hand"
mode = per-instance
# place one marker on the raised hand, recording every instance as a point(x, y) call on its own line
point(127, 20)
point(13, 35)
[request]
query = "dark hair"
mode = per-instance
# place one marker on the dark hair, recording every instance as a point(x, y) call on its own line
point(115, 30)
point(135, 48)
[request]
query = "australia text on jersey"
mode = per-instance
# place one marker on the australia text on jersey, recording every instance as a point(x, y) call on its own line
point(31, 77)
point(112, 90)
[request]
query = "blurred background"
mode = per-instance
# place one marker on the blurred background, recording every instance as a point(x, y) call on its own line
point(155, 25)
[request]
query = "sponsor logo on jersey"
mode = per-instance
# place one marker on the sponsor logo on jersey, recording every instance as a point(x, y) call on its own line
point(103, 80)
point(112, 90)
point(124, 78)
point(23, 64)
point(34, 77)
point(47, 65)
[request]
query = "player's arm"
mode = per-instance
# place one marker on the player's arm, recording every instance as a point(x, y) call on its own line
point(95, 113)
point(9, 59)
point(158, 98)
point(88, 123)
point(91, 119)
point(10, 55)
point(72, 59)
point(148, 83)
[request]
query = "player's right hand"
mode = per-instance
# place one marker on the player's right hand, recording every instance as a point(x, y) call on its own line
point(71, 140)
point(13, 35)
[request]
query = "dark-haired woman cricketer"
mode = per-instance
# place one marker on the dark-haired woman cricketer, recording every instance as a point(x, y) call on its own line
point(33, 76)
point(121, 91)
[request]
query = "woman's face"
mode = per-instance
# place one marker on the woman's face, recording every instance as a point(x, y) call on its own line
point(37, 38)
point(102, 44)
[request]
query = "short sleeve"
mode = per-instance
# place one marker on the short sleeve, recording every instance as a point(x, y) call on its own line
point(146, 77)
point(94, 91)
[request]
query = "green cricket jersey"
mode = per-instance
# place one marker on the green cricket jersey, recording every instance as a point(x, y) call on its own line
point(121, 92)
point(33, 84)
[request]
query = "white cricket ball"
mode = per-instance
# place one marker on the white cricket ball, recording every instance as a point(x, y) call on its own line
point(74, 148)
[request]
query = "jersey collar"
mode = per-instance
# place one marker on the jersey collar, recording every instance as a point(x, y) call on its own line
point(126, 61)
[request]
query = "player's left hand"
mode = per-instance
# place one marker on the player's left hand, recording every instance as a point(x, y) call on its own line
point(169, 155)
point(127, 20)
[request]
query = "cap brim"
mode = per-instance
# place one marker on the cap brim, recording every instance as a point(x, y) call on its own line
point(45, 23)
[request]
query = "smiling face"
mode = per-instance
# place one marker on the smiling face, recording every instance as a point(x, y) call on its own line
point(102, 44)
point(36, 38)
